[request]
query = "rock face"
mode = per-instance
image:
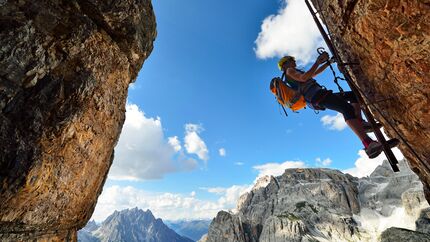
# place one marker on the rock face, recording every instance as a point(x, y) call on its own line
point(423, 222)
point(404, 235)
point(277, 211)
point(322, 205)
point(131, 225)
point(65, 67)
point(390, 199)
point(389, 40)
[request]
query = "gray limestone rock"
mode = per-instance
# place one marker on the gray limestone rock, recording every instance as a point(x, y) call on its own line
point(320, 205)
point(385, 188)
point(229, 228)
point(423, 222)
point(300, 205)
point(283, 228)
point(404, 235)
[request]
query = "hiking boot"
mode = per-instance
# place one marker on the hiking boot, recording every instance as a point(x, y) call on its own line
point(373, 149)
point(368, 126)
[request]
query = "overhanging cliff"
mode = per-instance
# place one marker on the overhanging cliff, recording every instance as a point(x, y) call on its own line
point(390, 40)
point(65, 67)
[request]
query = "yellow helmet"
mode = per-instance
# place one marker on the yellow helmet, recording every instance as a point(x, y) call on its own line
point(283, 60)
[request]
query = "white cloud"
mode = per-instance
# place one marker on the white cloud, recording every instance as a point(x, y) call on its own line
point(142, 152)
point(232, 195)
point(277, 169)
point(229, 195)
point(325, 162)
point(334, 122)
point(239, 163)
point(132, 86)
point(168, 206)
point(175, 143)
point(193, 143)
point(292, 31)
point(216, 190)
point(222, 152)
point(365, 166)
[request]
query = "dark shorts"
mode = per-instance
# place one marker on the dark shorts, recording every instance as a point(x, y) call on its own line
point(338, 102)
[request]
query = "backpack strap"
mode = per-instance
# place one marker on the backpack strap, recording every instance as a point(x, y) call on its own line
point(279, 94)
point(283, 109)
point(286, 81)
point(279, 91)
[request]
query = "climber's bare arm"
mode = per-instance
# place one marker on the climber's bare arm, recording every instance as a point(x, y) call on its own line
point(321, 69)
point(303, 77)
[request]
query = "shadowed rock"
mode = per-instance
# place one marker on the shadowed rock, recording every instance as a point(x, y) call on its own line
point(65, 67)
point(404, 235)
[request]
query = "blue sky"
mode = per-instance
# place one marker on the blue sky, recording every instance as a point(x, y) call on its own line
point(205, 88)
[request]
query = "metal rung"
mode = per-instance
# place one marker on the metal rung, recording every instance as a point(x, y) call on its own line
point(381, 139)
point(387, 150)
point(390, 156)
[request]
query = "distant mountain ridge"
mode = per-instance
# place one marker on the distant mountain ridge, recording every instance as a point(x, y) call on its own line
point(193, 229)
point(130, 225)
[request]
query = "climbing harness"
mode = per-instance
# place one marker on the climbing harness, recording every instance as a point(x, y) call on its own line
point(360, 95)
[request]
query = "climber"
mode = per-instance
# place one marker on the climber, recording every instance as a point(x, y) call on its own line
point(319, 98)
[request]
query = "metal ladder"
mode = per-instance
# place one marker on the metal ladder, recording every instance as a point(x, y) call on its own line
point(354, 88)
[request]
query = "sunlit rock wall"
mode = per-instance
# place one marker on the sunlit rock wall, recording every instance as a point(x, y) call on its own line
point(65, 67)
point(390, 41)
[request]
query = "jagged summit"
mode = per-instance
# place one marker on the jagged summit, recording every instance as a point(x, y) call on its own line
point(91, 226)
point(132, 225)
point(321, 204)
point(131, 214)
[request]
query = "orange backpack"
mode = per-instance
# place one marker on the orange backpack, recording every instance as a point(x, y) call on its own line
point(286, 95)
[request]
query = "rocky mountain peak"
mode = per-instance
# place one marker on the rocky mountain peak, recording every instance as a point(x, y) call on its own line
point(322, 205)
point(91, 226)
point(132, 225)
point(129, 215)
point(300, 185)
point(262, 182)
point(385, 170)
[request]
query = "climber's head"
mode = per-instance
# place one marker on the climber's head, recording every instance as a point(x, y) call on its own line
point(285, 62)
